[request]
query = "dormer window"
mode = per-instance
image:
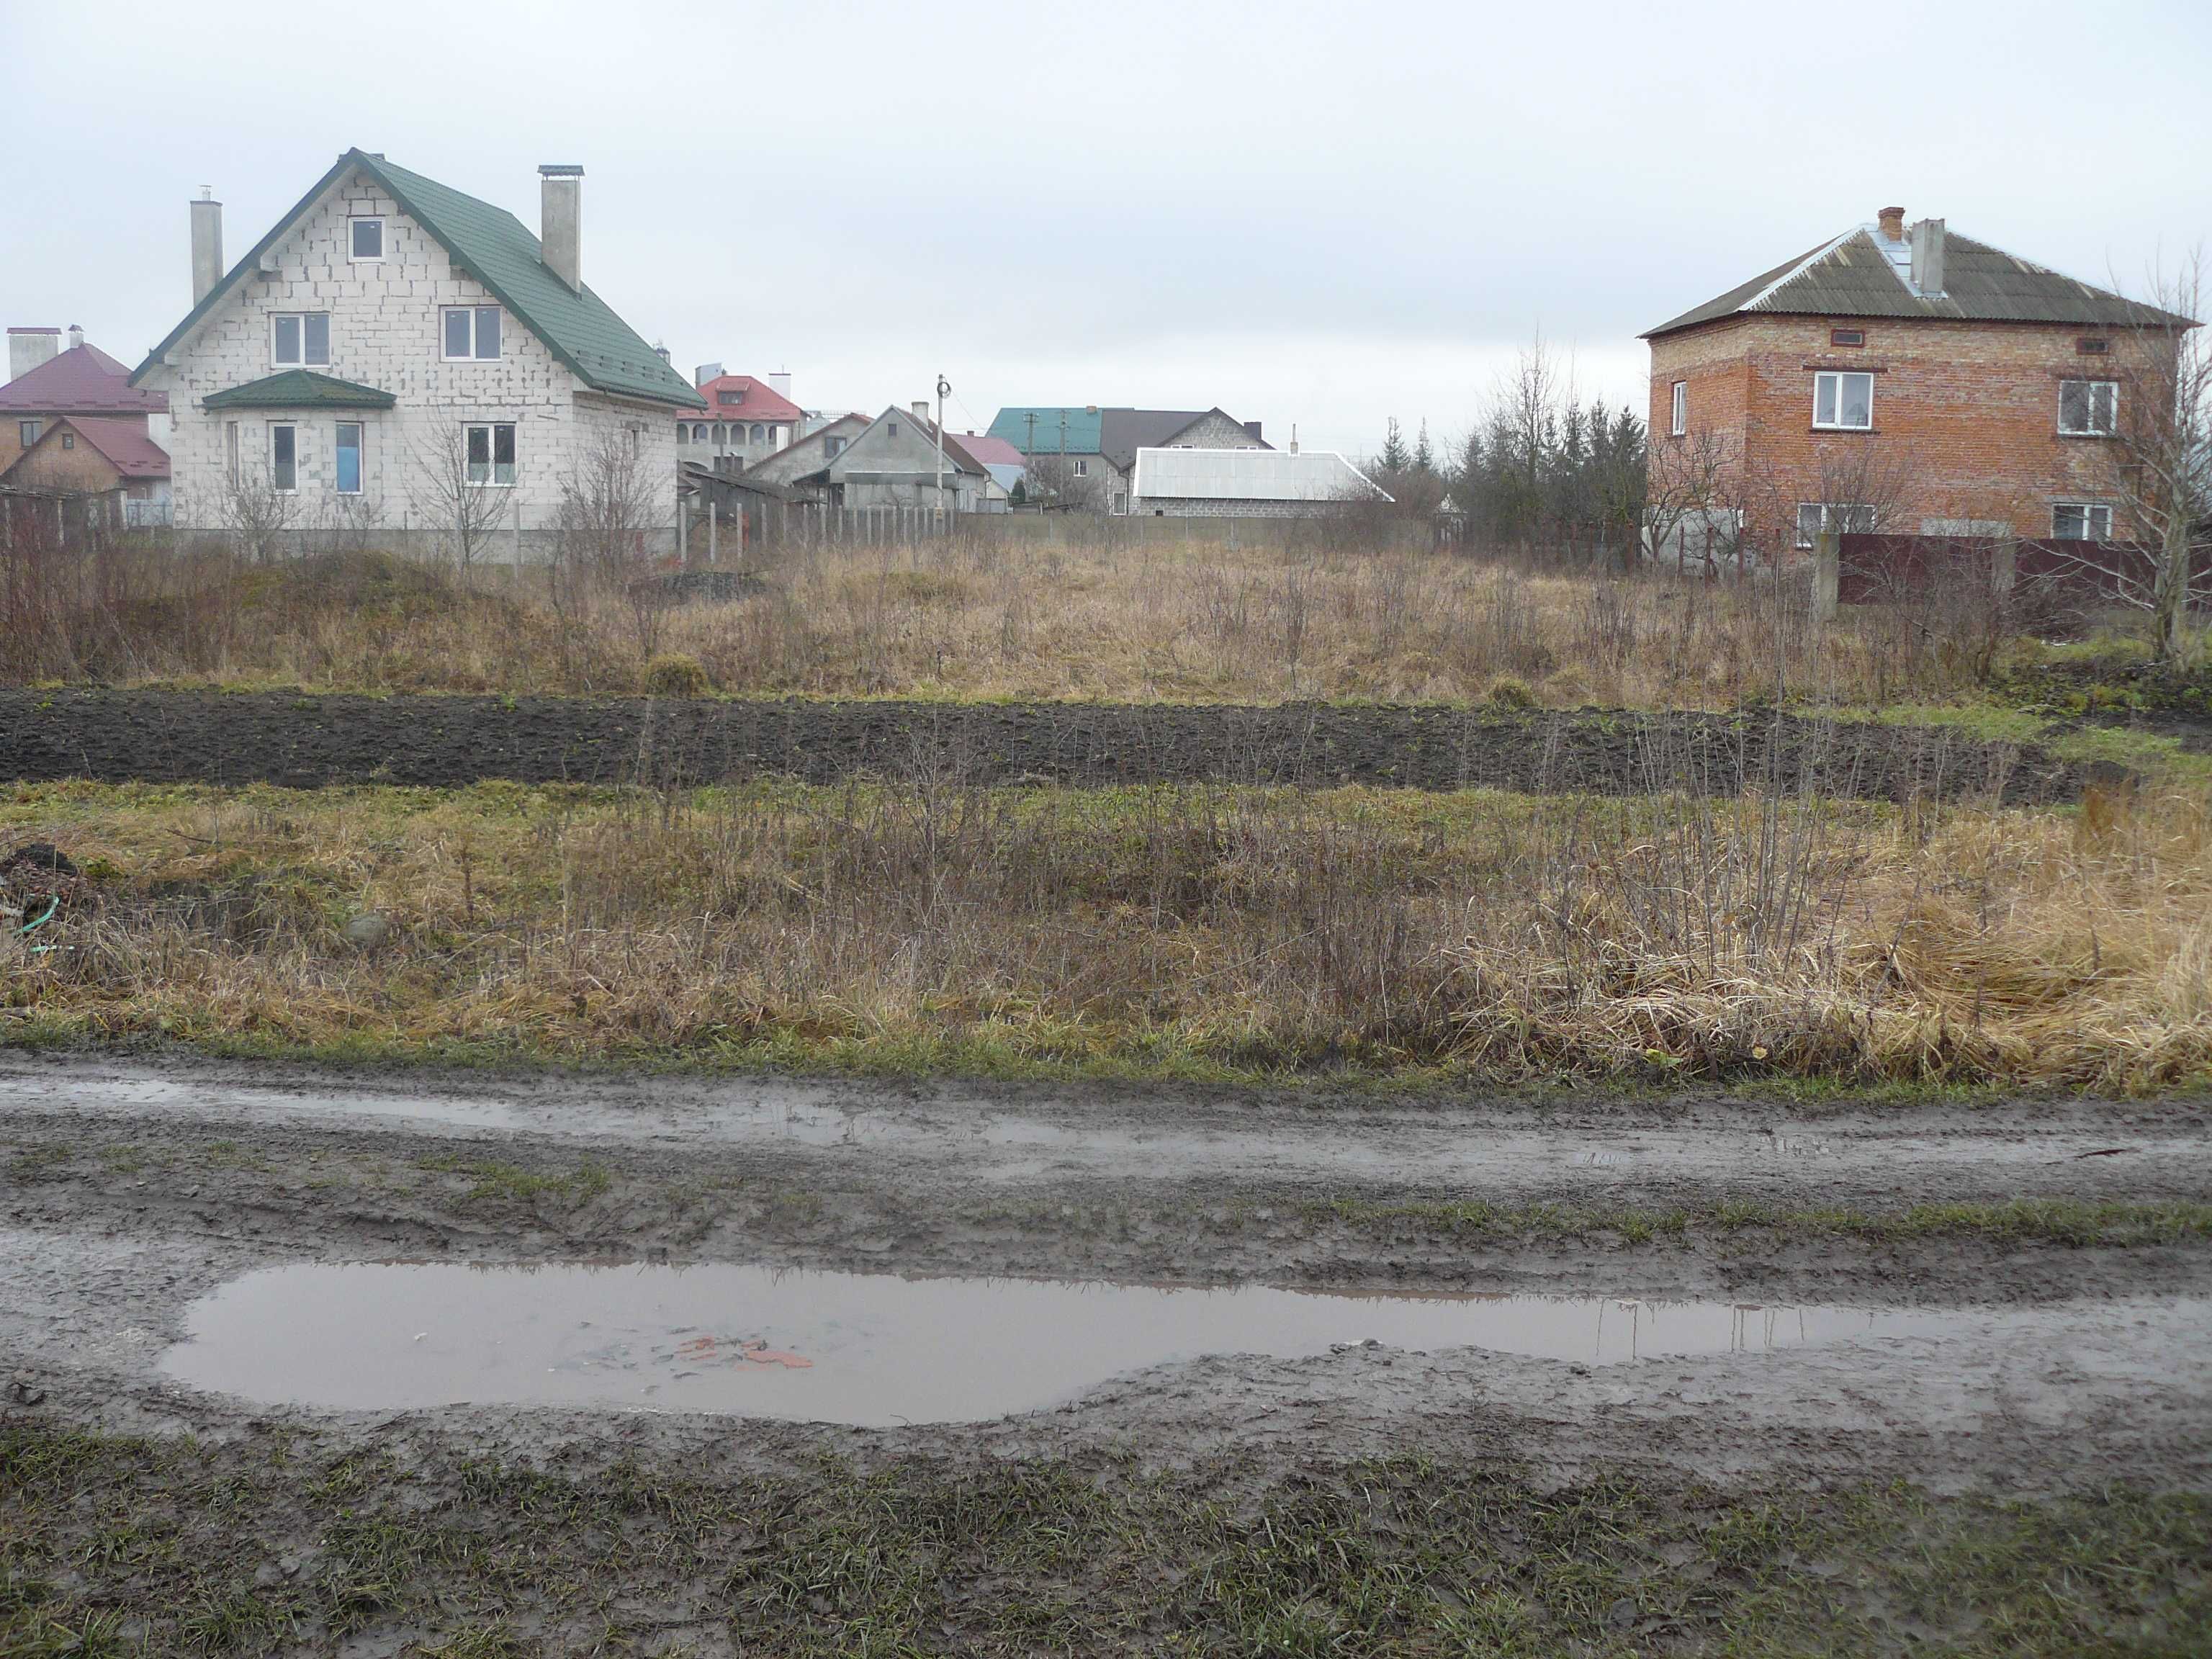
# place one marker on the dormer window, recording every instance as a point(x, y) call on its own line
point(728, 396)
point(300, 339)
point(472, 334)
point(364, 239)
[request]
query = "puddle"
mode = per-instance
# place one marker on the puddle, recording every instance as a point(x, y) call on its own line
point(860, 1348)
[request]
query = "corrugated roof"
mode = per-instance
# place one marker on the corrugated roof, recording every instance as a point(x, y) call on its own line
point(82, 379)
point(1250, 475)
point(1852, 276)
point(493, 246)
point(1043, 436)
point(991, 452)
point(300, 388)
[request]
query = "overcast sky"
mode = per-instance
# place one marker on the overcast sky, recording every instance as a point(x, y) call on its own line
point(1323, 214)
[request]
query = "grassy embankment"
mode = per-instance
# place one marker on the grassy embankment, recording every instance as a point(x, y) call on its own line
point(112, 1545)
point(1171, 932)
point(1107, 620)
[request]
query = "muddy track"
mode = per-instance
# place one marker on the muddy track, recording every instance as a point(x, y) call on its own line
point(309, 741)
point(2031, 1367)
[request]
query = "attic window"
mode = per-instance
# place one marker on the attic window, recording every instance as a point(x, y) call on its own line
point(68, 440)
point(726, 396)
point(2091, 347)
point(300, 339)
point(890, 429)
point(1846, 337)
point(364, 238)
point(472, 334)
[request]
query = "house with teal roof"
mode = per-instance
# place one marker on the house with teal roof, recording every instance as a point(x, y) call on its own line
point(415, 365)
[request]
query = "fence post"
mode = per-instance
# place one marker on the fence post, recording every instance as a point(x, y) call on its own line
point(2004, 567)
point(713, 513)
point(1827, 568)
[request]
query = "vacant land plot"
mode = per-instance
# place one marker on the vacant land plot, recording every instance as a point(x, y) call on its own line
point(1287, 618)
point(1155, 930)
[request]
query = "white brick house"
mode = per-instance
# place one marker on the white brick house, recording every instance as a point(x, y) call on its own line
point(393, 341)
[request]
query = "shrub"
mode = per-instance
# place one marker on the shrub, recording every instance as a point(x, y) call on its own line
point(1509, 691)
point(675, 674)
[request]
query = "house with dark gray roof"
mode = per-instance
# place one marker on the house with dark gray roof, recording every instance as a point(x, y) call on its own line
point(394, 354)
point(1897, 379)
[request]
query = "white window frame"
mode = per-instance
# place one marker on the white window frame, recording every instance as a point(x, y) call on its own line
point(292, 426)
point(383, 231)
point(303, 361)
point(1840, 375)
point(491, 429)
point(2111, 408)
point(359, 456)
point(472, 312)
point(1681, 424)
point(1834, 516)
point(2086, 509)
point(1082, 466)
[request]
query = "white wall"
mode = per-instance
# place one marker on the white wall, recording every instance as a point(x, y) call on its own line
point(384, 333)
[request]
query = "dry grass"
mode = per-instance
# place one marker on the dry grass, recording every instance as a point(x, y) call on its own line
point(1171, 932)
point(1132, 620)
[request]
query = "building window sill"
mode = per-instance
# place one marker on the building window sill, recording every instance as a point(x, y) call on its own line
point(1845, 431)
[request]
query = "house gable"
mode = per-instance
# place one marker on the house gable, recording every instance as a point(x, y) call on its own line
point(486, 246)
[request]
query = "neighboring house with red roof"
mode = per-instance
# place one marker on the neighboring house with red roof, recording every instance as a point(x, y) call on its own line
point(49, 382)
point(109, 457)
point(747, 420)
point(1005, 463)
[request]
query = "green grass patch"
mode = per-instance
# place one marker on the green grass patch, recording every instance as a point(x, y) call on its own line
point(1096, 1554)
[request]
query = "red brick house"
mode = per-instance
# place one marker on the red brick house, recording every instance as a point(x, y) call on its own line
point(1905, 380)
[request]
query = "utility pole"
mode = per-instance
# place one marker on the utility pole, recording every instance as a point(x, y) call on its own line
point(944, 390)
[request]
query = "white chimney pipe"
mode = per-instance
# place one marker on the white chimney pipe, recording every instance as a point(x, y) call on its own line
point(207, 244)
point(29, 347)
point(561, 221)
point(76, 336)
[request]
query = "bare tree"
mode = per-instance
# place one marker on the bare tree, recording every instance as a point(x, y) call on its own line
point(1691, 498)
point(1054, 482)
point(609, 508)
point(2159, 460)
point(457, 495)
point(258, 518)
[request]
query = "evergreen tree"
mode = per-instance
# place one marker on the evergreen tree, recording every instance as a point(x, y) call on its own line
point(1425, 458)
point(1394, 457)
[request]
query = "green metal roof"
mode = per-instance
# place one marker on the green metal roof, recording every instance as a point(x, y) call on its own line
point(491, 245)
point(1042, 437)
point(300, 388)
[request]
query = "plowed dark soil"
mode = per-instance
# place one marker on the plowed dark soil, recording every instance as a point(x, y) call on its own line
point(308, 741)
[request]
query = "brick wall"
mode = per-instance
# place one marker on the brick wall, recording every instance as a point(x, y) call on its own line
point(384, 333)
point(1966, 417)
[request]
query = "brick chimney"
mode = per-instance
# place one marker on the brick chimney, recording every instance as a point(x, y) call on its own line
point(29, 347)
point(1893, 223)
point(561, 221)
point(207, 244)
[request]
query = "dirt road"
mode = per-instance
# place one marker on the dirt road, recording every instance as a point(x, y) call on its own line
point(2029, 1352)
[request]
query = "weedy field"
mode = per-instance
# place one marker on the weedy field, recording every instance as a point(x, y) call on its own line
point(1106, 618)
point(1168, 931)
